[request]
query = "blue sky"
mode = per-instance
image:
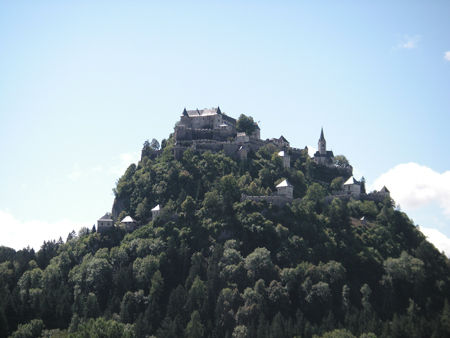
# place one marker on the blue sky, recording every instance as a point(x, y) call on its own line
point(83, 84)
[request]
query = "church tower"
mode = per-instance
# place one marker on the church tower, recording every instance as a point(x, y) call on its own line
point(322, 155)
point(322, 145)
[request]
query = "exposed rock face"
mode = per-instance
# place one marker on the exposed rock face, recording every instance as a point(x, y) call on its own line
point(118, 206)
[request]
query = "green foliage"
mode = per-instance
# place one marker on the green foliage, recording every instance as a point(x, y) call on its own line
point(337, 183)
point(29, 330)
point(195, 328)
point(259, 264)
point(213, 265)
point(102, 328)
point(246, 124)
point(341, 160)
point(338, 333)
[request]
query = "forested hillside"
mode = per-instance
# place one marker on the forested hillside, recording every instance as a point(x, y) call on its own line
point(213, 266)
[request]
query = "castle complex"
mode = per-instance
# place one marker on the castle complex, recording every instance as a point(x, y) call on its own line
point(212, 130)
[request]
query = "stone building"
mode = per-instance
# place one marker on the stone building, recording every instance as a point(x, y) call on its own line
point(205, 124)
point(128, 223)
point(353, 187)
point(322, 155)
point(212, 130)
point(242, 138)
point(284, 195)
point(380, 195)
point(384, 191)
point(285, 158)
point(242, 152)
point(105, 223)
point(280, 142)
point(285, 189)
point(156, 211)
point(256, 134)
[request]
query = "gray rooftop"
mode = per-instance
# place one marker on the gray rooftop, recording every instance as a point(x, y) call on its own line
point(202, 112)
point(106, 217)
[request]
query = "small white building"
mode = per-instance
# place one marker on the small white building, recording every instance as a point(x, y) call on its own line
point(352, 187)
point(285, 189)
point(128, 223)
point(285, 158)
point(105, 223)
point(156, 211)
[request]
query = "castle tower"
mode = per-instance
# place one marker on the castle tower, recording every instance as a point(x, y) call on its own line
point(322, 145)
point(285, 158)
point(285, 189)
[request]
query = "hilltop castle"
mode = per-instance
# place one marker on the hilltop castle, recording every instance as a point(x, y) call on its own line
point(213, 130)
point(210, 129)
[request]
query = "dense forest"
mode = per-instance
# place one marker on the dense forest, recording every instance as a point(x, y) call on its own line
point(211, 265)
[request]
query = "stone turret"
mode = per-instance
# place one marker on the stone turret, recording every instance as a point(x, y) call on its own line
point(285, 189)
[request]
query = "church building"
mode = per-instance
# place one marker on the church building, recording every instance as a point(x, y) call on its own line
point(322, 155)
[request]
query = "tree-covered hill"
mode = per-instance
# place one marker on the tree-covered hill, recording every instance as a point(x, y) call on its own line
point(212, 265)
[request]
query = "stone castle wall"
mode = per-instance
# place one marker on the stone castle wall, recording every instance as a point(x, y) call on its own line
point(274, 199)
point(190, 134)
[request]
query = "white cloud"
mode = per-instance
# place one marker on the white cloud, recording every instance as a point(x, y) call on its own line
point(447, 55)
point(409, 42)
point(19, 234)
point(413, 185)
point(440, 241)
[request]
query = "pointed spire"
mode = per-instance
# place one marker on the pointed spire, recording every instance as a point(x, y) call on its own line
point(185, 112)
point(218, 110)
point(321, 135)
